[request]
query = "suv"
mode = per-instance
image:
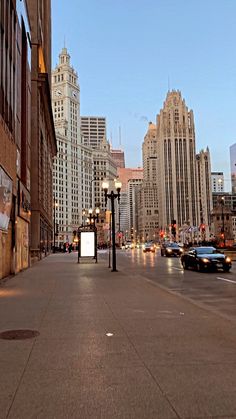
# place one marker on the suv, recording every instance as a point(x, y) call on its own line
point(171, 249)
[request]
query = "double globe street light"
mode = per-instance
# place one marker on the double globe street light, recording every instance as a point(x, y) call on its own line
point(112, 196)
point(92, 218)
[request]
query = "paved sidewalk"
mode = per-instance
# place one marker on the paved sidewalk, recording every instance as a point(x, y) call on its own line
point(165, 358)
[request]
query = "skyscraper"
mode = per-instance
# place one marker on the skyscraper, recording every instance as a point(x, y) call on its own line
point(67, 165)
point(119, 157)
point(233, 167)
point(93, 130)
point(149, 149)
point(203, 160)
point(148, 194)
point(125, 175)
point(217, 181)
point(103, 168)
point(177, 183)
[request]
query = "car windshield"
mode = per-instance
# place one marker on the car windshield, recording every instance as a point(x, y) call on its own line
point(206, 250)
point(173, 245)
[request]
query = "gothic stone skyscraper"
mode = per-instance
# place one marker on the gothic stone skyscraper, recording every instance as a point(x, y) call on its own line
point(177, 185)
point(67, 165)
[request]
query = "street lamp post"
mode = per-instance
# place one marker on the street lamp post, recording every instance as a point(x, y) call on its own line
point(83, 216)
point(223, 218)
point(93, 218)
point(112, 196)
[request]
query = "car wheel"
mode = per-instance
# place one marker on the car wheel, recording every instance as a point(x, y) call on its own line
point(226, 269)
point(198, 267)
point(185, 265)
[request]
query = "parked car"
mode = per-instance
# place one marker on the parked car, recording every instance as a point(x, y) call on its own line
point(149, 247)
point(205, 258)
point(171, 249)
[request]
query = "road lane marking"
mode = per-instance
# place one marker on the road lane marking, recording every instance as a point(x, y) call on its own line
point(227, 280)
point(178, 269)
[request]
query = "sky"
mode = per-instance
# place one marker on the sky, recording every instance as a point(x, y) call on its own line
point(128, 53)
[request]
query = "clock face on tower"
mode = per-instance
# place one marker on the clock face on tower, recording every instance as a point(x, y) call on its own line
point(58, 92)
point(74, 94)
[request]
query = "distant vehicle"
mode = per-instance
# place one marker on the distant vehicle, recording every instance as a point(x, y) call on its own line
point(205, 258)
point(129, 245)
point(148, 247)
point(171, 249)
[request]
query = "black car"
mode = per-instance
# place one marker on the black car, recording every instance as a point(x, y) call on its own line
point(171, 249)
point(205, 258)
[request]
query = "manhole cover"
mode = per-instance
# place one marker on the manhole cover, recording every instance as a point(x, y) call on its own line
point(18, 334)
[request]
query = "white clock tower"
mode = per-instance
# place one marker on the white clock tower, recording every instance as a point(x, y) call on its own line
point(67, 164)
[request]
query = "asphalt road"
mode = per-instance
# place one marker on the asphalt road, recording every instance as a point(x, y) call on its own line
point(213, 290)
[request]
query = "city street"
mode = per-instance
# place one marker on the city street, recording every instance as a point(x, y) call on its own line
point(215, 290)
point(117, 122)
point(120, 344)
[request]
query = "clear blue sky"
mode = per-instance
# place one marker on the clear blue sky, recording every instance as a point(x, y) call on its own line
point(125, 51)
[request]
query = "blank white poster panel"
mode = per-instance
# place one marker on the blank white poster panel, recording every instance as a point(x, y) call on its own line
point(87, 247)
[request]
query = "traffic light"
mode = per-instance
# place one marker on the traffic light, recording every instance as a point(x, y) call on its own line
point(173, 227)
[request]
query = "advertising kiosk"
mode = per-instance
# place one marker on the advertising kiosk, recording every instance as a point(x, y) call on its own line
point(87, 236)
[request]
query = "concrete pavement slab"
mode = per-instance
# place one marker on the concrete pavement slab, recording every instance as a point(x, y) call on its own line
point(183, 351)
point(87, 327)
point(199, 390)
point(83, 352)
point(94, 393)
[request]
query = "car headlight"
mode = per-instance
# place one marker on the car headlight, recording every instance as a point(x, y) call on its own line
point(152, 248)
point(228, 260)
point(181, 250)
point(205, 260)
point(169, 250)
